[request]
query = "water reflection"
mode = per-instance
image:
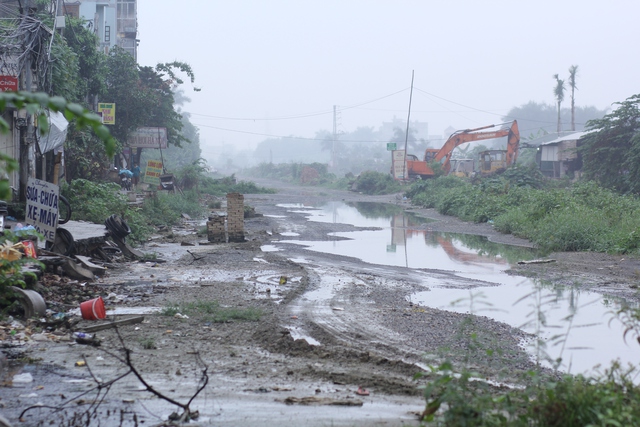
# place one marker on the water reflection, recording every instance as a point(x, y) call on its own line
point(577, 327)
point(396, 238)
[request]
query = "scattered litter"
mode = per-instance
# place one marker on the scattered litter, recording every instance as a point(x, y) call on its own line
point(294, 317)
point(313, 400)
point(283, 280)
point(39, 337)
point(362, 392)
point(23, 378)
point(87, 339)
point(258, 390)
point(537, 261)
point(81, 363)
point(181, 316)
point(29, 395)
point(337, 308)
point(93, 309)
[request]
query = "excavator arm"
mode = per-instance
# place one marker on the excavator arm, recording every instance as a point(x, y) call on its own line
point(469, 135)
point(423, 169)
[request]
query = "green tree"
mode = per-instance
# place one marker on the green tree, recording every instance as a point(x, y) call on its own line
point(611, 152)
point(124, 89)
point(92, 69)
point(558, 92)
point(573, 72)
point(65, 80)
point(158, 97)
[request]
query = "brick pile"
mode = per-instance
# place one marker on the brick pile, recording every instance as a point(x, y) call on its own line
point(235, 217)
point(215, 229)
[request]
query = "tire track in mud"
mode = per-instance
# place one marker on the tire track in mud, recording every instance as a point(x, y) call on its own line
point(337, 309)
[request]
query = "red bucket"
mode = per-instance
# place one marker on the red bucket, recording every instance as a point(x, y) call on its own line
point(93, 309)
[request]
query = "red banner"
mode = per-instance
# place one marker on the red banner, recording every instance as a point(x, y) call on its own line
point(8, 84)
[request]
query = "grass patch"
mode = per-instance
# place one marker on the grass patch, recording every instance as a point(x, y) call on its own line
point(212, 311)
point(148, 344)
point(582, 217)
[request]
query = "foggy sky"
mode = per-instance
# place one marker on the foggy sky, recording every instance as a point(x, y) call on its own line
point(271, 68)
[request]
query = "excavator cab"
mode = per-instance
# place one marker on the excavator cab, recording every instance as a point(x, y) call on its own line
point(430, 154)
point(492, 161)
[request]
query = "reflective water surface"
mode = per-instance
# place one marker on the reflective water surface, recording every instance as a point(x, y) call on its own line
point(577, 326)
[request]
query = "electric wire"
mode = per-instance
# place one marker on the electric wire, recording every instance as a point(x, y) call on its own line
point(299, 116)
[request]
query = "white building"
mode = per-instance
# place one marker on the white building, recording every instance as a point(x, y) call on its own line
point(115, 22)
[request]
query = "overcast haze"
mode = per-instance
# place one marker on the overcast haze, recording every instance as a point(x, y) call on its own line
point(276, 68)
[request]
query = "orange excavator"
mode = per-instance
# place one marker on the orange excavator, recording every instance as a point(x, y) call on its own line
point(421, 168)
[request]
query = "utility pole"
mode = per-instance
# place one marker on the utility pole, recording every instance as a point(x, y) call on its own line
point(333, 142)
point(27, 156)
point(406, 136)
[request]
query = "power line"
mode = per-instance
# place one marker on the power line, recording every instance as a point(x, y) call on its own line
point(300, 116)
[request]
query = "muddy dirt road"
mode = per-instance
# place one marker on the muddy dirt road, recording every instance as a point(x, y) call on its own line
point(334, 332)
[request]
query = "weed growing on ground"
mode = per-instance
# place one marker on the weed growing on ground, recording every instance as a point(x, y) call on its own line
point(148, 344)
point(212, 311)
point(583, 217)
point(170, 310)
point(459, 397)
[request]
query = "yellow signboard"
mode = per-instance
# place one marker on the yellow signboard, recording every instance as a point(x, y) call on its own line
point(153, 172)
point(108, 112)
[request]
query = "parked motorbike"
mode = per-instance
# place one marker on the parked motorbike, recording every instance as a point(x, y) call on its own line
point(125, 182)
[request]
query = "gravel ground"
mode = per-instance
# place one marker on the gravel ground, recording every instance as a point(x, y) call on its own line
point(307, 343)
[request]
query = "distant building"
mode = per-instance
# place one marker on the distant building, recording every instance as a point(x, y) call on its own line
point(559, 157)
point(386, 131)
point(115, 22)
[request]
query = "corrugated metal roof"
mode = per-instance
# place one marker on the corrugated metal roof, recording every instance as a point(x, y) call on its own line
point(570, 137)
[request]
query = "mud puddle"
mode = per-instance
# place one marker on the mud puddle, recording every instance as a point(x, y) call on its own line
point(578, 327)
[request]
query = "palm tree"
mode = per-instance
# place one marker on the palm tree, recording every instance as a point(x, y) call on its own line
point(558, 91)
point(573, 72)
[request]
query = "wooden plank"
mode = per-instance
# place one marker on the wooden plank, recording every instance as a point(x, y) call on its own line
point(76, 271)
point(113, 324)
point(86, 261)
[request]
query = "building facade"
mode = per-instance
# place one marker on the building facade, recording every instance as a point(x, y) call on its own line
point(115, 22)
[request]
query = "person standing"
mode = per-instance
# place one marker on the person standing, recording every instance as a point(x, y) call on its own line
point(136, 175)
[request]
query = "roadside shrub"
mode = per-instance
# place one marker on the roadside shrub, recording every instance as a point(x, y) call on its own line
point(513, 221)
point(370, 182)
point(613, 400)
point(454, 399)
point(584, 217)
point(572, 229)
point(428, 192)
point(166, 208)
point(524, 176)
point(95, 201)
point(229, 184)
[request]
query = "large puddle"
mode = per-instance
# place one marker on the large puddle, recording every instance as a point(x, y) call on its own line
point(572, 325)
